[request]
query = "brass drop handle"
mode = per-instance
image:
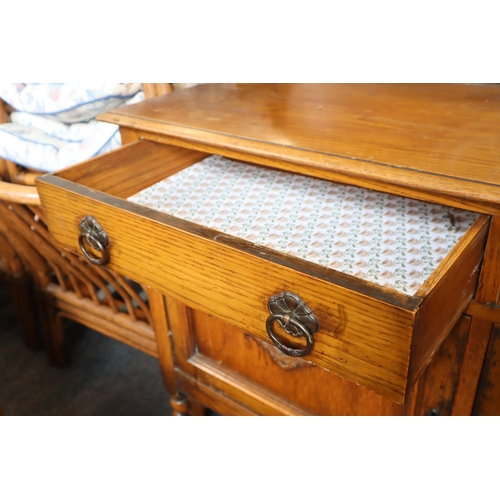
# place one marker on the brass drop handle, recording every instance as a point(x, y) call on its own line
point(92, 232)
point(295, 317)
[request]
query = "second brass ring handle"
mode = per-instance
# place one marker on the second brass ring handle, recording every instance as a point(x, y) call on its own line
point(97, 239)
point(296, 319)
point(94, 242)
point(287, 319)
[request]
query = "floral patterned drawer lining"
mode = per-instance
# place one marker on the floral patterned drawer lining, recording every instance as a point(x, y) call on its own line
point(385, 239)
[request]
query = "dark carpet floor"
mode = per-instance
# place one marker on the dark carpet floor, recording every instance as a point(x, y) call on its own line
point(103, 376)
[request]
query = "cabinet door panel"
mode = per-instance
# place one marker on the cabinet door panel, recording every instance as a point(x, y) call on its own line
point(438, 385)
point(488, 392)
point(251, 371)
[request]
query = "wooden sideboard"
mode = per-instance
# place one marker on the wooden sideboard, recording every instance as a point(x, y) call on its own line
point(376, 351)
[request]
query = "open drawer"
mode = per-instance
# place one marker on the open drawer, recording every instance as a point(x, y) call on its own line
point(374, 320)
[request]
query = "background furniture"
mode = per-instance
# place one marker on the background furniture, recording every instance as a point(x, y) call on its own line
point(65, 286)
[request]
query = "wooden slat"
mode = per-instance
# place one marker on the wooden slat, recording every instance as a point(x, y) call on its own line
point(118, 326)
point(26, 178)
point(14, 193)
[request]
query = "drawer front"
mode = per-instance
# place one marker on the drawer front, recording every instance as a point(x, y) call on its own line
point(366, 334)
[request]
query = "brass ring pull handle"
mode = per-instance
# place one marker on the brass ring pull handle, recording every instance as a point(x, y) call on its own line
point(296, 318)
point(92, 232)
point(288, 320)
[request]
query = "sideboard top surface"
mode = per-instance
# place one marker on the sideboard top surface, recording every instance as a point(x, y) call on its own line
point(435, 137)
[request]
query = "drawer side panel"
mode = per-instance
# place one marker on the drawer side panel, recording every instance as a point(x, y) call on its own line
point(449, 297)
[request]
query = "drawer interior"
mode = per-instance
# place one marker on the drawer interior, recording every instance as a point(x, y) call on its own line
point(385, 240)
point(388, 240)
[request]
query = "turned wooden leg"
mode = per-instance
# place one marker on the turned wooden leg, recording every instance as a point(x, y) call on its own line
point(21, 290)
point(158, 309)
point(52, 329)
point(182, 406)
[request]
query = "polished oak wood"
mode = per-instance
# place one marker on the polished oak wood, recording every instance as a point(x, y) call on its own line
point(259, 376)
point(437, 143)
point(15, 193)
point(438, 138)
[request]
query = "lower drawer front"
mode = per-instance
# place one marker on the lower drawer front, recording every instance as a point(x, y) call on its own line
point(374, 337)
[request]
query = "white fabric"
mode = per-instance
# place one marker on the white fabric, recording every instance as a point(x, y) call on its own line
point(43, 143)
point(67, 102)
point(34, 148)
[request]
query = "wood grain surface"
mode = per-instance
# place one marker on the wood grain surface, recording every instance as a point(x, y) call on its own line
point(269, 381)
point(131, 168)
point(438, 137)
point(438, 143)
point(448, 291)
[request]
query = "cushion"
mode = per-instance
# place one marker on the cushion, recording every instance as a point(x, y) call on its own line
point(34, 148)
point(43, 143)
point(67, 102)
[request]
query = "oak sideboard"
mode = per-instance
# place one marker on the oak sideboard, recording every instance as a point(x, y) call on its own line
point(309, 249)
